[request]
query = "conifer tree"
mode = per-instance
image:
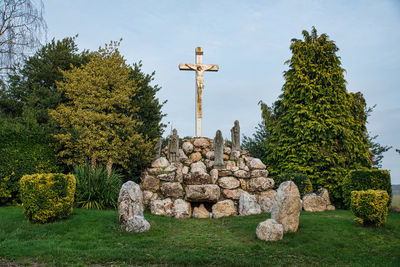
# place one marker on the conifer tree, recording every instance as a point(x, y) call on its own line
point(316, 127)
point(97, 119)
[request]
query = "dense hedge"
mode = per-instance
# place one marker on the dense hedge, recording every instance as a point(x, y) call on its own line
point(24, 149)
point(47, 197)
point(365, 179)
point(370, 207)
point(301, 180)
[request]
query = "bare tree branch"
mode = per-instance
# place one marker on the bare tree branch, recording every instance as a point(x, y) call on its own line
point(22, 27)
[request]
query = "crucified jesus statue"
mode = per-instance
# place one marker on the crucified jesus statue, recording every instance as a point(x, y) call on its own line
point(200, 69)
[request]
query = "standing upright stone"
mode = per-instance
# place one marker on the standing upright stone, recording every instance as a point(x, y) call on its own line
point(287, 206)
point(130, 202)
point(173, 147)
point(158, 148)
point(235, 134)
point(218, 150)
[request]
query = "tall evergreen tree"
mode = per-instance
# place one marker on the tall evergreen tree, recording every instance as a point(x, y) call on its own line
point(149, 106)
point(148, 111)
point(316, 127)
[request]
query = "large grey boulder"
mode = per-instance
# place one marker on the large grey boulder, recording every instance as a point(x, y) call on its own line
point(256, 164)
point(228, 182)
point(199, 177)
point(241, 174)
point(198, 166)
point(182, 156)
point(266, 200)
point(224, 208)
point(162, 207)
point(287, 206)
point(201, 212)
point(151, 183)
point(260, 184)
point(148, 196)
point(248, 205)
point(181, 209)
point(259, 173)
point(137, 224)
point(160, 163)
point(172, 190)
point(130, 201)
point(187, 147)
point(203, 193)
point(322, 192)
point(314, 203)
point(233, 194)
point(269, 230)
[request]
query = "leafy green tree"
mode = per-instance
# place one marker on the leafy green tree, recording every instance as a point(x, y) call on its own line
point(32, 90)
point(316, 127)
point(97, 120)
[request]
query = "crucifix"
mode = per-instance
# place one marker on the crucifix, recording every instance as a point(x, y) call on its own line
point(200, 69)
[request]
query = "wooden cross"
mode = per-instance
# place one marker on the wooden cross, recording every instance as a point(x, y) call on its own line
point(200, 69)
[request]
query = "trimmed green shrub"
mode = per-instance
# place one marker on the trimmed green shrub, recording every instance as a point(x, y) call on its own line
point(24, 149)
point(18, 160)
point(94, 189)
point(301, 180)
point(365, 179)
point(370, 207)
point(47, 197)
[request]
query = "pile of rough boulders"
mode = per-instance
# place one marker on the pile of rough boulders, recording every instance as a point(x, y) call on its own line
point(201, 179)
point(192, 186)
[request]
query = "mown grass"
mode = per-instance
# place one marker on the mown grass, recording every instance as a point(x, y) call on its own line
point(92, 237)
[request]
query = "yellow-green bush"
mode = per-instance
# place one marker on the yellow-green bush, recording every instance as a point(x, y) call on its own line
point(47, 197)
point(370, 207)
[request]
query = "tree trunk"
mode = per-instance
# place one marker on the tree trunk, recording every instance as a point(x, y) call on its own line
point(109, 167)
point(93, 163)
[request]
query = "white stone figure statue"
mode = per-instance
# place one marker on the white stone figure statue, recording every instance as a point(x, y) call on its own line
point(200, 69)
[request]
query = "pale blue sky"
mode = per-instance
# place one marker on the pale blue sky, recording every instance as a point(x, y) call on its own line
point(249, 40)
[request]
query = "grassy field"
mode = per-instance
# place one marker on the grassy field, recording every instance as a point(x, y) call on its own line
point(396, 200)
point(95, 238)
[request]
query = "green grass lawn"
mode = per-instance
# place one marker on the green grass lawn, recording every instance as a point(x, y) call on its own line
point(91, 237)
